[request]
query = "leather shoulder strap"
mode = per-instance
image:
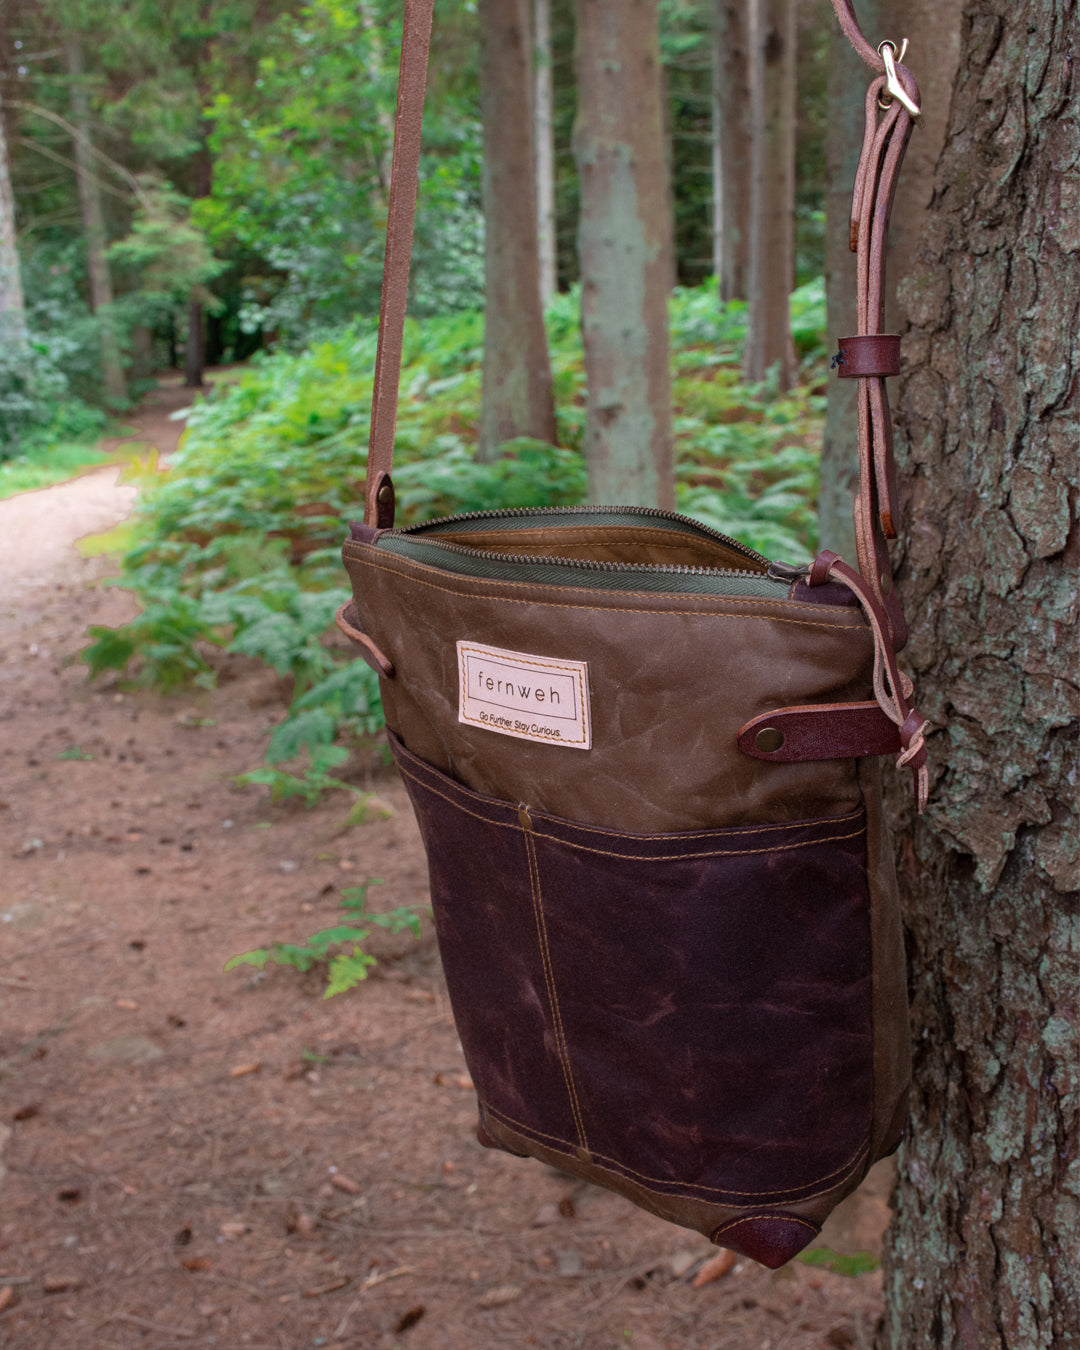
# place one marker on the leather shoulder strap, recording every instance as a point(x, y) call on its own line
point(412, 83)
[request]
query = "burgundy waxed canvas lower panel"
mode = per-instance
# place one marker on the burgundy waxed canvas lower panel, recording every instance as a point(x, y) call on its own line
point(690, 1011)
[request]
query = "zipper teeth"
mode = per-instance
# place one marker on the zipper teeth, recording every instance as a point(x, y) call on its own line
point(590, 565)
point(651, 511)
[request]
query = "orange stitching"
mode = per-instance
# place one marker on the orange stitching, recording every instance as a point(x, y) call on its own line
point(673, 834)
point(851, 1166)
point(633, 857)
point(549, 978)
point(857, 627)
point(711, 853)
point(752, 1218)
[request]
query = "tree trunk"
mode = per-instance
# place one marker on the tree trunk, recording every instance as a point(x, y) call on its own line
point(848, 78)
point(772, 197)
point(101, 295)
point(731, 135)
point(12, 308)
point(933, 59)
point(624, 248)
point(545, 150)
point(195, 347)
point(517, 397)
point(984, 1252)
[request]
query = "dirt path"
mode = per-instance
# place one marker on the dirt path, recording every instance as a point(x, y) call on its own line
point(200, 1159)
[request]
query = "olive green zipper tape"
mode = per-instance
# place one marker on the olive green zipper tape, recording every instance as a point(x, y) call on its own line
point(601, 576)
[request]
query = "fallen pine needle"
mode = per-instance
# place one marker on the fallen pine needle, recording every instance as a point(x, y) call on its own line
point(373, 1280)
point(181, 1333)
point(714, 1267)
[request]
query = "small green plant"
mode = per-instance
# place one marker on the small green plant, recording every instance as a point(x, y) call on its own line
point(842, 1263)
point(74, 752)
point(308, 786)
point(340, 948)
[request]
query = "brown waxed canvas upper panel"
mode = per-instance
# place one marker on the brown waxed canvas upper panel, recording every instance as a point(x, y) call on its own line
point(677, 674)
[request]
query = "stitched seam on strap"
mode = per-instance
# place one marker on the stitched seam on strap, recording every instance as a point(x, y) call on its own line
point(612, 609)
point(836, 1178)
point(631, 857)
point(549, 979)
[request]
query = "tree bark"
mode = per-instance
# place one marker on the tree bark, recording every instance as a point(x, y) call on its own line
point(12, 306)
point(195, 347)
point(984, 1252)
point(731, 136)
point(545, 150)
point(624, 249)
point(101, 294)
point(772, 198)
point(933, 59)
point(517, 398)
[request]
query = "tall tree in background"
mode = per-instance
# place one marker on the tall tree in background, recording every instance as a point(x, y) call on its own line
point(772, 197)
point(101, 292)
point(517, 397)
point(848, 78)
point(545, 148)
point(12, 307)
point(984, 1251)
point(624, 249)
point(731, 140)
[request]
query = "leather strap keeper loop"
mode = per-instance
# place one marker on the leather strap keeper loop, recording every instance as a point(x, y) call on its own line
point(868, 356)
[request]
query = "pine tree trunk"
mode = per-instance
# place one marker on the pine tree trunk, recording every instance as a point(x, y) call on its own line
point(195, 347)
point(772, 197)
point(731, 136)
point(101, 295)
point(624, 249)
point(12, 306)
point(545, 149)
point(984, 1252)
point(517, 397)
point(848, 78)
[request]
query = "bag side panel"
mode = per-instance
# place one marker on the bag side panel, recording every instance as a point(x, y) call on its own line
point(892, 1026)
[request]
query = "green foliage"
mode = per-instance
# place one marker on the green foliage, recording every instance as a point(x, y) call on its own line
point(165, 259)
point(238, 545)
point(43, 464)
point(339, 948)
point(854, 1263)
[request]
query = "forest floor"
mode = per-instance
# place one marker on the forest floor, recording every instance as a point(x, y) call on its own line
point(198, 1159)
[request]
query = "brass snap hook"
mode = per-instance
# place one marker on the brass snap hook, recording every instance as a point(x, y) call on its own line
point(893, 88)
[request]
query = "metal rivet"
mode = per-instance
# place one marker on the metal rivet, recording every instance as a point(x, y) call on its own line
point(583, 1155)
point(886, 583)
point(385, 494)
point(769, 739)
point(524, 819)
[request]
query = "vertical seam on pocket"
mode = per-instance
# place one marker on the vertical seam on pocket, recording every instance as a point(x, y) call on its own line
point(549, 978)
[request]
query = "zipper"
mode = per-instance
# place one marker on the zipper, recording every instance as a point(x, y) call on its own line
point(668, 519)
point(581, 572)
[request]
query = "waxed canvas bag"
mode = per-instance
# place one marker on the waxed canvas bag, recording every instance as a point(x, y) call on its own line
point(645, 764)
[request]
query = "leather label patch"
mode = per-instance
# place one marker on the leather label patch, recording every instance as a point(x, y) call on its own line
point(536, 698)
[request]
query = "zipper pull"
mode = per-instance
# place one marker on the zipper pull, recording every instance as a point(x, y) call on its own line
point(781, 571)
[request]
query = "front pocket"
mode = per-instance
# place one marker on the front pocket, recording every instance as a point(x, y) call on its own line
point(689, 1012)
